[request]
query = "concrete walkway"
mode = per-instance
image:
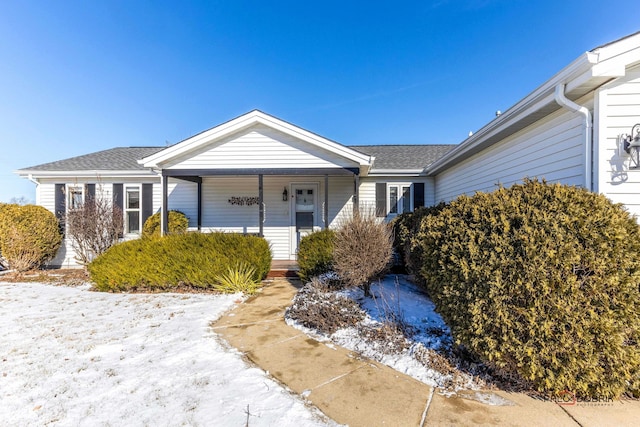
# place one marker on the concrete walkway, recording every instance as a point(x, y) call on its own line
point(359, 392)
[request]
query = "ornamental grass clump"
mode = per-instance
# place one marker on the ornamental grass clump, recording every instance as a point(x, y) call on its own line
point(237, 278)
point(540, 281)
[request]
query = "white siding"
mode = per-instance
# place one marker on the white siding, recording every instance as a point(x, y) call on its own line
point(45, 194)
point(551, 148)
point(259, 147)
point(618, 108)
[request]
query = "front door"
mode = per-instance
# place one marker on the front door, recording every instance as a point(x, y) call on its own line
point(304, 212)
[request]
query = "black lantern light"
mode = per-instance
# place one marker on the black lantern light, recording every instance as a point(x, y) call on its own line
point(285, 195)
point(632, 146)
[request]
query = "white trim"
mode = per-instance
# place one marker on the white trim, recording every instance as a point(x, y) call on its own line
point(245, 121)
point(125, 209)
point(68, 189)
point(399, 185)
point(293, 234)
point(26, 173)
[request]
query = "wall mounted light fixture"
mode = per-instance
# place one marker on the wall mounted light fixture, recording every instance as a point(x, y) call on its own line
point(632, 146)
point(285, 195)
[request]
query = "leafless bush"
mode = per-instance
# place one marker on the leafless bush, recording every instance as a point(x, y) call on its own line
point(93, 227)
point(363, 249)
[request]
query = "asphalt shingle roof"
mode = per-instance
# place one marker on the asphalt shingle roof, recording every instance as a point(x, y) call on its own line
point(119, 158)
point(403, 156)
point(125, 158)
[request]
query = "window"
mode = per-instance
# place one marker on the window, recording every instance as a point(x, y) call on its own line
point(395, 198)
point(132, 210)
point(75, 197)
point(399, 198)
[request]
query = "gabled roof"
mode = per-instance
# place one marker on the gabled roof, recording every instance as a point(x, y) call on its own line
point(409, 158)
point(246, 121)
point(124, 159)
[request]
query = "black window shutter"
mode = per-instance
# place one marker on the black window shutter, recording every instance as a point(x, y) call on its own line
point(60, 205)
point(147, 201)
point(381, 199)
point(418, 195)
point(118, 196)
point(89, 192)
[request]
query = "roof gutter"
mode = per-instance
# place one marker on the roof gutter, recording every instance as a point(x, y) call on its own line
point(564, 102)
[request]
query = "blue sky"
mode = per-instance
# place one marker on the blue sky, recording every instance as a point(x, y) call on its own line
point(78, 76)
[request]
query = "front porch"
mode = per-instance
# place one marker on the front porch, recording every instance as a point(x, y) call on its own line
point(279, 207)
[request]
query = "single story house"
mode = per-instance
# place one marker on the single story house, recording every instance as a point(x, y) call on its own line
point(260, 174)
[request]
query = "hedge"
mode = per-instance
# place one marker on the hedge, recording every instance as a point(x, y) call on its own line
point(192, 259)
point(542, 281)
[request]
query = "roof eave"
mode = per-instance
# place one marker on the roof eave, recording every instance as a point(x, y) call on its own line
point(26, 173)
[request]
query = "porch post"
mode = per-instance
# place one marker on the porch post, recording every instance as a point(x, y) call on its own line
point(261, 205)
point(326, 201)
point(356, 194)
point(200, 204)
point(164, 216)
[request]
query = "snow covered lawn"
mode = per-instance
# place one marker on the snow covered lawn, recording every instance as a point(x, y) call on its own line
point(69, 356)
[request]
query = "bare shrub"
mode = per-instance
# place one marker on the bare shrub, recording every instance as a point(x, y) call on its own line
point(93, 227)
point(363, 250)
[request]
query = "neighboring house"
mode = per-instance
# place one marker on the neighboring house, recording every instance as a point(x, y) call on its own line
point(259, 174)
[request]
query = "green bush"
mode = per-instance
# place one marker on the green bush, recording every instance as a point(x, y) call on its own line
point(405, 230)
point(541, 281)
point(178, 224)
point(29, 236)
point(315, 254)
point(192, 259)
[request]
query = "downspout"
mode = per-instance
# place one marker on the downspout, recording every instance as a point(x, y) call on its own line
point(32, 179)
point(563, 101)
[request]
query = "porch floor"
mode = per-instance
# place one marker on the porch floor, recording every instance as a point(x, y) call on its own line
point(283, 268)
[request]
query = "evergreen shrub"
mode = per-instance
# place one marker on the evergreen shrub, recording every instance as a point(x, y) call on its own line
point(542, 281)
point(178, 224)
point(192, 259)
point(29, 236)
point(315, 254)
point(405, 231)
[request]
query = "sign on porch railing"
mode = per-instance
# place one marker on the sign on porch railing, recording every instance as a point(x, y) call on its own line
point(243, 200)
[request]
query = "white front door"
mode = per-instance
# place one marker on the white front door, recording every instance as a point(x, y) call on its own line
point(304, 213)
